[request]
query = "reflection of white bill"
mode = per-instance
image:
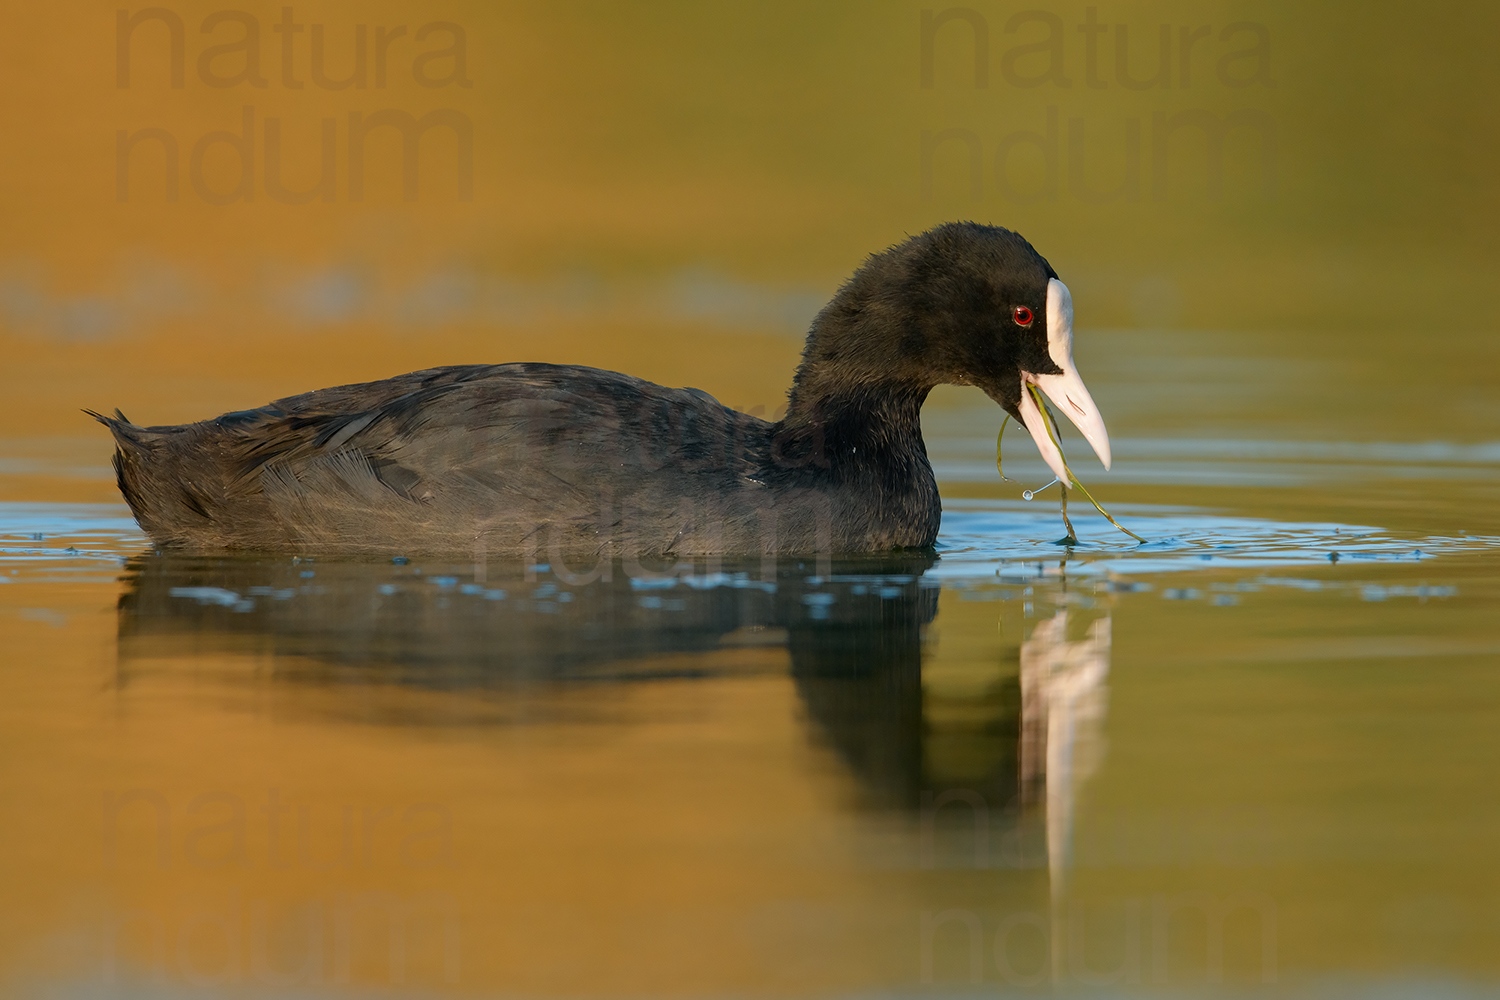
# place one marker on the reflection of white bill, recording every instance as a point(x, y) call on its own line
point(1063, 704)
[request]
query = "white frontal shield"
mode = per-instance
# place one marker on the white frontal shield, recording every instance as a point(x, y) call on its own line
point(1066, 390)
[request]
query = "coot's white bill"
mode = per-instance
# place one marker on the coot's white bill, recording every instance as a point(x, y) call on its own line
point(1067, 391)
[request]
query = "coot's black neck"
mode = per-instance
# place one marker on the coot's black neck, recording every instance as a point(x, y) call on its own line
point(854, 431)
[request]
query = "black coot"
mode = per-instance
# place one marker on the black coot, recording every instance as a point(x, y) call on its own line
point(536, 458)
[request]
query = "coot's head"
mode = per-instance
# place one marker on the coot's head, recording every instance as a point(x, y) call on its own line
point(963, 304)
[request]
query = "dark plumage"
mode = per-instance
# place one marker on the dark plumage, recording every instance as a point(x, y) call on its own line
point(538, 459)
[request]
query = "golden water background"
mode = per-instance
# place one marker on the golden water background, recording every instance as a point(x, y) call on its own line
point(671, 190)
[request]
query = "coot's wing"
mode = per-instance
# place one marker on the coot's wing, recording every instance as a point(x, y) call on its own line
point(506, 457)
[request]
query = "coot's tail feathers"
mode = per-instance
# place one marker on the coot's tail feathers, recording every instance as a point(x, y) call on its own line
point(120, 426)
point(135, 449)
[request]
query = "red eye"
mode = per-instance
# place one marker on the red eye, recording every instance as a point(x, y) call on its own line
point(1021, 315)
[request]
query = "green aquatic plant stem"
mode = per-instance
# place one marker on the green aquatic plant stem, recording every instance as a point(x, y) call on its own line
point(1049, 423)
point(1072, 538)
point(1089, 497)
point(998, 438)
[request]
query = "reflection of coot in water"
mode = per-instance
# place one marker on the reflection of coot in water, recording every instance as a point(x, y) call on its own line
point(441, 625)
point(860, 676)
point(853, 632)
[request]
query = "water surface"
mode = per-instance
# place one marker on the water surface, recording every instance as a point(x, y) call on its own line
point(1253, 753)
point(1254, 756)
